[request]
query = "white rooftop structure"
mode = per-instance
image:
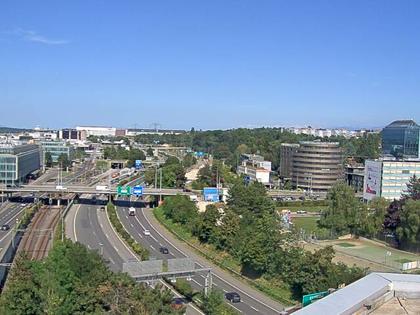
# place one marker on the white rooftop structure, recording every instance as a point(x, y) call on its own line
point(371, 294)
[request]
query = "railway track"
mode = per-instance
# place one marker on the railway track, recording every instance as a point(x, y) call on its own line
point(36, 241)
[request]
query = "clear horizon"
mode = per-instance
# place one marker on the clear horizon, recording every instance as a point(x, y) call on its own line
point(218, 65)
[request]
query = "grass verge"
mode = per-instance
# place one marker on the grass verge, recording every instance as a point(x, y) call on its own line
point(136, 247)
point(275, 290)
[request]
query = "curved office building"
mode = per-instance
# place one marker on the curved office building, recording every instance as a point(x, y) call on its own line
point(317, 165)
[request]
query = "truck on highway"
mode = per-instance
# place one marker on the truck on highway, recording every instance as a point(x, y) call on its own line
point(60, 187)
point(131, 211)
point(101, 187)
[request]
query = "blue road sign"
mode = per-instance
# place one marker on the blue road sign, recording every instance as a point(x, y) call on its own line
point(138, 164)
point(138, 190)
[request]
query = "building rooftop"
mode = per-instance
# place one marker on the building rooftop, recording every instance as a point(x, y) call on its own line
point(376, 292)
point(402, 123)
point(319, 143)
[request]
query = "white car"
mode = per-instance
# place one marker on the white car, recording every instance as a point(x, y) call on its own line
point(146, 232)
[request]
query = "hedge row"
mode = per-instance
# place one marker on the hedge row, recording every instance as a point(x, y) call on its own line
point(27, 216)
point(136, 247)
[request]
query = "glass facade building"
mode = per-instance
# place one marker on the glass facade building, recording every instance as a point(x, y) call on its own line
point(16, 162)
point(400, 139)
point(56, 148)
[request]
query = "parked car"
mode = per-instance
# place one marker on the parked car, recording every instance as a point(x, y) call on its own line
point(146, 232)
point(233, 297)
point(5, 227)
point(102, 208)
point(164, 250)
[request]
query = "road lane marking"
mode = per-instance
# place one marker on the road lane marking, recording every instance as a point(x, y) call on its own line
point(11, 230)
point(185, 255)
point(115, 232)
point(201, 266)
point(152, 247)
point(74, 223)
point(254, 308)
point(235, 307)
point(198, 283)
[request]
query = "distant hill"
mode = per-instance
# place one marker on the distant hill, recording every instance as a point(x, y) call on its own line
point(13, 130)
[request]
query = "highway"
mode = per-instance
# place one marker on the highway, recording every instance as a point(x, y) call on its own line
point(90, 226)
point(9, 212)
point(136, 225)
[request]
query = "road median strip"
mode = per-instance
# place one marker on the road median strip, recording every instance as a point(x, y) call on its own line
point(132, 243)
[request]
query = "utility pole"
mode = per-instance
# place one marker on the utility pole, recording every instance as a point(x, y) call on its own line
point(160, 186)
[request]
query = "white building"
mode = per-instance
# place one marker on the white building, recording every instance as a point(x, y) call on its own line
point(388, 178)
point(255, 167)
point(97, 131)
point(255, 174)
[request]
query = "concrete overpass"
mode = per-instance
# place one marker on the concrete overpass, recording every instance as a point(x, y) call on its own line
point(81, 189)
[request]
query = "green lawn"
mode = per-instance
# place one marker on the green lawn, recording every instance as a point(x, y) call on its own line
point(375, 252)
point(309, 225)
point(345, 244)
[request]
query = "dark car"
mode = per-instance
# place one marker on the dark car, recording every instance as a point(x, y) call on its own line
point(164, 250)
point(5, 227)
point(233, 297)
point(177, 303)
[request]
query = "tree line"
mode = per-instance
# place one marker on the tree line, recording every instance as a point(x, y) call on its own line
point(400, 219)
point(229, 144)
point(74, 280)
point(119, 153)
point(248, 228)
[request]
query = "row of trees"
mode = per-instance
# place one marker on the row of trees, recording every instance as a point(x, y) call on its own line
point(73, 280)
point(119, 153)
point(347, 214)
point(63, 160)
point(173, 173)
point(400, 218)
point(248, 228)
point(229, 144)
point(209, 175)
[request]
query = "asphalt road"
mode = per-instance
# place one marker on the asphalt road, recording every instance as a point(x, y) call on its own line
point(90, 226)
point(9, 212)
point(136, 225)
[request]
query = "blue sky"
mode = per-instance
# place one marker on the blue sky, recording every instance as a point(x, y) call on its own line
point(209, 64)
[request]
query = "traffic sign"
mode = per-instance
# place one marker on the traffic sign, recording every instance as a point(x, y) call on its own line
point(138, 190)
point(124, 190)
point(138, 164)
point(309, 298)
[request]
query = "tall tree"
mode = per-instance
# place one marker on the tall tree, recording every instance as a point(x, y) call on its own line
point(63, 161)
point(48, 159)
point(408, 231)
point(413, 188)
point(345, 213)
